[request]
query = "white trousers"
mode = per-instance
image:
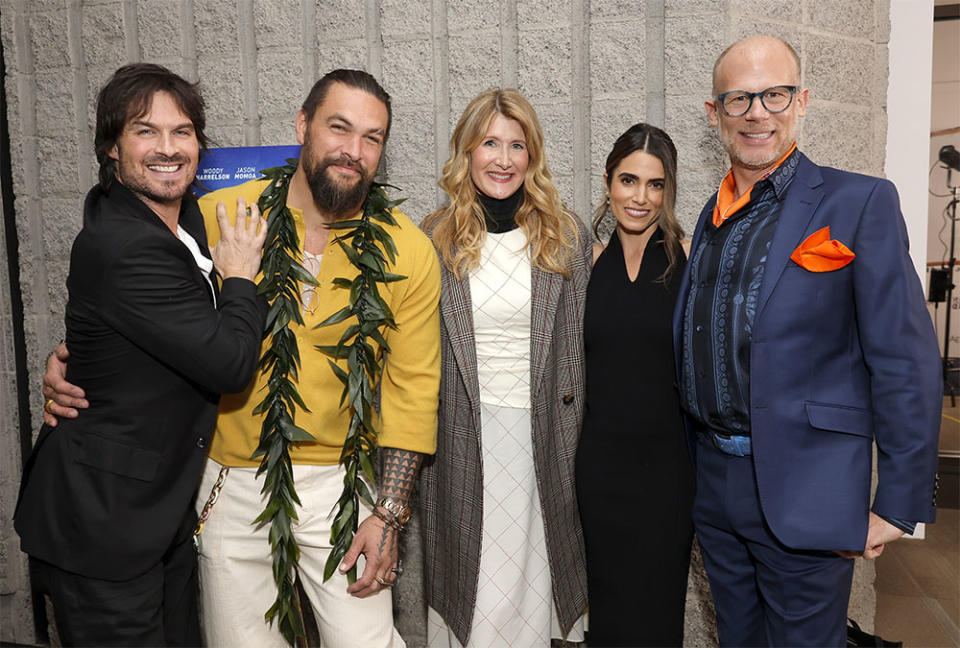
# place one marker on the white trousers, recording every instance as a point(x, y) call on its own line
point(236, 577)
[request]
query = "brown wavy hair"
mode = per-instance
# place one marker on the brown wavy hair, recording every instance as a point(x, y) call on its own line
point(651, 140)
point(458, 230)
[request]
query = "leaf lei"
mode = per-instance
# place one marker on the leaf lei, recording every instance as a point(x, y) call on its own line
point(281, 273)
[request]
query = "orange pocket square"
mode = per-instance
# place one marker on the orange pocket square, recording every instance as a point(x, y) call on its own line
point(819, 253)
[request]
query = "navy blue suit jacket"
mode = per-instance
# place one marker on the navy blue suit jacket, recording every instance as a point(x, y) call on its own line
point(839, 360)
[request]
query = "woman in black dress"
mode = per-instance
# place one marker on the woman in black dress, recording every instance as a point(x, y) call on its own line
point(634, 477)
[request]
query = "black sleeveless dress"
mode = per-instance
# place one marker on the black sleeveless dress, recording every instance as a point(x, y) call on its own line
point(635, 482)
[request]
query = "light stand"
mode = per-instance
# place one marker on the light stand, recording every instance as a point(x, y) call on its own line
point(946, 329)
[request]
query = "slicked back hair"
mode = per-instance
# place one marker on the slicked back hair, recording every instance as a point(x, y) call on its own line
point(127, 95)
point(353, 79)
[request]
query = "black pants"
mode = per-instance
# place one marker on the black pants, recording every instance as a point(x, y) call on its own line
point(157, 608)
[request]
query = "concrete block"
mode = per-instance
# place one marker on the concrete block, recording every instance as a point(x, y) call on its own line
point(58, 164)
point(409, 606)
point(38, 6)
point(216, 30)
point(840, 70)
point(863, 595)
point(221, 82)
point(850, 17)
point(693, 7)
point(97, 77)
point(278, 131)
point(747, 24)
point(791, 12)
point(332, 55)
point(691, 45)
point(881, 74)
point(545, 67)
point(694, 187)
point(533, 14)
point(404, 18)
point(420, 192)
point(700, 620)
point(408, 71)
point(279, 78)
point(410, 150)
point(160, 28)
point(278, 24)
point(102, 34)
point(340, 19)
point(617, 58)
point(221, 135)
point(609, 118)
point(833, 136)
point(631, 9)
point(698, 143)
point(49, 39)
point(10, 37)
point(469, 15)
point(54, 106)
point(474, 65)
point(556, 120)
point(564, 182)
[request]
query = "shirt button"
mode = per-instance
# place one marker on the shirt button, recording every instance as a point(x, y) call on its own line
point(201, 443)
point(702, 373)
point(699, 327)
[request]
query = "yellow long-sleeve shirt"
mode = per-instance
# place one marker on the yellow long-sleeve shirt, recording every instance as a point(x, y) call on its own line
point(411, 376)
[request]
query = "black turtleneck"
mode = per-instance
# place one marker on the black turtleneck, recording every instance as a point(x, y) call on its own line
point(499, 213)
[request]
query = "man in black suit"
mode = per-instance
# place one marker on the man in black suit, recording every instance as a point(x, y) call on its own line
point(105, 508)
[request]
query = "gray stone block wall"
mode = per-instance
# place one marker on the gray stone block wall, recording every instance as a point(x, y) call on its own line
point(590, 67)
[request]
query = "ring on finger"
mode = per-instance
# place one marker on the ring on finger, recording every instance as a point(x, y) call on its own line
point(383, 582)
point(47, 404)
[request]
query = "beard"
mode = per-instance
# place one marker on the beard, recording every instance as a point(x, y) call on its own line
point(333, 196)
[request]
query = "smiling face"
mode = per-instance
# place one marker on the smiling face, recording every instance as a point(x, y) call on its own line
point(342, 144)
point(498, 165)
point(157, 153)
point(636, 192)
point(757, 140)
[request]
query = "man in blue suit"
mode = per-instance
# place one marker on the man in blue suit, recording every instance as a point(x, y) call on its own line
point(802, 338)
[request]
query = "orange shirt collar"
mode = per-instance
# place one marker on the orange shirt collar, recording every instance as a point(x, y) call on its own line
point(727, 205)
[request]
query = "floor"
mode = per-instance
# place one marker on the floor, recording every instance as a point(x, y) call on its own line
point(918, 581)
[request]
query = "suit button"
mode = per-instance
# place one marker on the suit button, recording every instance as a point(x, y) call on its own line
point(201, 443)
point(567, 399)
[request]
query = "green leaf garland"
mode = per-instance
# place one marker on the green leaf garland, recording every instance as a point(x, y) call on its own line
point(282, 274)
point(368, 246)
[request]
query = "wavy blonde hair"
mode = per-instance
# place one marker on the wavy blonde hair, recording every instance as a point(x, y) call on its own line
point(458, 230)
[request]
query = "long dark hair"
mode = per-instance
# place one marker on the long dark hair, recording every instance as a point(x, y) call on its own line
point(127, 95)
point(651, 140)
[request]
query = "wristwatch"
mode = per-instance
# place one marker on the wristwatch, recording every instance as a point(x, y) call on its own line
point(397, 509)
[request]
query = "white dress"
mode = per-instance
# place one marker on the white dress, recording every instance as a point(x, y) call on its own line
point(514, 600)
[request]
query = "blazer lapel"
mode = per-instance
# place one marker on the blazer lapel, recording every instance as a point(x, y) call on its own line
point(457, 316)
point(800, 203)
point(192, 221)
point(545, 291)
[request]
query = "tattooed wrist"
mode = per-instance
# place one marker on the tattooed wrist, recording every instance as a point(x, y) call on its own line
point(400, 471)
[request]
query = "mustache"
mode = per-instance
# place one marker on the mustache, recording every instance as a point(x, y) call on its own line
point(346, 161)
point(164, 160)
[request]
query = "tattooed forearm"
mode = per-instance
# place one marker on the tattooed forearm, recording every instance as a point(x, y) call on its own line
point(400, 471)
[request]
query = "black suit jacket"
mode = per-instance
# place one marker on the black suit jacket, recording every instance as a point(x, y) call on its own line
point(103, 495)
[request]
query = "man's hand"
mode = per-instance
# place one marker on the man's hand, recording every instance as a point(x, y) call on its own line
point(63, 398)
point(238, 252)
point(378, 543)
point(879, 533)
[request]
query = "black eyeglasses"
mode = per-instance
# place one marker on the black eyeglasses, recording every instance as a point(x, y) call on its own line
point(737, 103)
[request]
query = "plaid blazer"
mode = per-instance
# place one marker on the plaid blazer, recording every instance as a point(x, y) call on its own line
point(452, 481)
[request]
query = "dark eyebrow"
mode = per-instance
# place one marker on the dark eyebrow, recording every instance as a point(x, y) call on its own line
point(339, 117)
point(630, 176)
point(143, 122)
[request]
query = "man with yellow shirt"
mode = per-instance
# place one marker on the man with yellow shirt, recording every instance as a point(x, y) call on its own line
point(343, 126)
point(801, 337)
